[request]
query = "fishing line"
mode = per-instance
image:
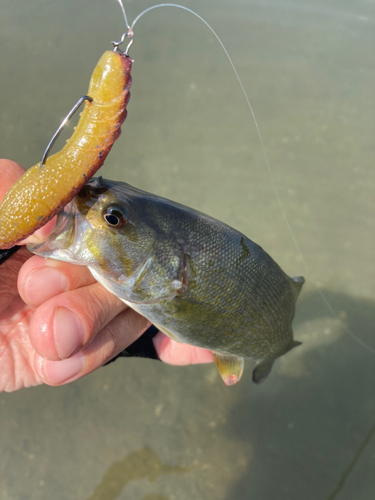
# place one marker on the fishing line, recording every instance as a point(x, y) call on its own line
point(124, 13)
point(269, 169)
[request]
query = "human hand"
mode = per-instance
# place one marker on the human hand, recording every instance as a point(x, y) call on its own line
point(57, 323)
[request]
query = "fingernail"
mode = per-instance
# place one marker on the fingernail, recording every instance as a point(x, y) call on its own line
point(42, 284)
point(68, 332)
point(57, 372)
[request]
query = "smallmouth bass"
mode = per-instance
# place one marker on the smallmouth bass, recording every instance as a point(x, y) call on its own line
point(197, 279)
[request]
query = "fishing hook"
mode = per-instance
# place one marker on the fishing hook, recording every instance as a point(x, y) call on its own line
point(63, 124)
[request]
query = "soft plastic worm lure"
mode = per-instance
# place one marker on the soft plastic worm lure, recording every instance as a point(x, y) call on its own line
point(49, 185)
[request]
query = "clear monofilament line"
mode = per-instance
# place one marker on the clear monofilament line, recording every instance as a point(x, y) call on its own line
point(268, 165)
point(124, 13)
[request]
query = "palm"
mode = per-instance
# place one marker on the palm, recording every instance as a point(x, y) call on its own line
point(16, 351)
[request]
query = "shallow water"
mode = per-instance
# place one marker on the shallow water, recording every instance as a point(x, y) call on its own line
point(148, 431)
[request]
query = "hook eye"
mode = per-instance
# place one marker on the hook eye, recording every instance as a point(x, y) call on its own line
point(129, 34)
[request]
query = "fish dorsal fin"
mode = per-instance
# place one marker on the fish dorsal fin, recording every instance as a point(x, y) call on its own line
point(297, 283)
point(230, 367)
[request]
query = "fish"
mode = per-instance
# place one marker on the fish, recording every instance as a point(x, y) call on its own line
point(195, 278)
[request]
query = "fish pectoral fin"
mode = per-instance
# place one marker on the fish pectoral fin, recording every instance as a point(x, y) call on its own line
point(262, 370)
point(150, 286)
point(166, 332)
point(230, 367)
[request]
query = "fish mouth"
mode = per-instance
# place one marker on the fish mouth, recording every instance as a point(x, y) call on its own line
point(65, 238)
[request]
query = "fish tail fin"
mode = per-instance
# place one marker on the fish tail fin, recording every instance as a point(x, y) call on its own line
point(297, 282)
point(293, 344)
point(262, 370)
point(263, 367)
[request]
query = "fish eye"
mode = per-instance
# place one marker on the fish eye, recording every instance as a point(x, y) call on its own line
point(115, 216)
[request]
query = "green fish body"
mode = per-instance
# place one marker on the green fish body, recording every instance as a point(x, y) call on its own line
point(198, 280)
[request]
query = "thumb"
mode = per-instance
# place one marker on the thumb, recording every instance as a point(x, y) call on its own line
point(10, 171)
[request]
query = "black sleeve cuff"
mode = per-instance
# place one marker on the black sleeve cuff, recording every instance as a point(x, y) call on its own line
point(5, 254)
point(141, 348)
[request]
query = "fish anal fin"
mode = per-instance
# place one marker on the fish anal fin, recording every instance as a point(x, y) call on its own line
point(230, 367)
point(262, 370)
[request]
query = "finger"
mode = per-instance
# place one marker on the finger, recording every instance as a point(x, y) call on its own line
point(122, 331)
point(8, 278)
point(10, 171)
point(176, 353)
point(67, 322)
point(41, 279)
point(40, 234)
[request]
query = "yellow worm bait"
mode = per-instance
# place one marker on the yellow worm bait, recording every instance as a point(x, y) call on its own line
point(45, 189)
